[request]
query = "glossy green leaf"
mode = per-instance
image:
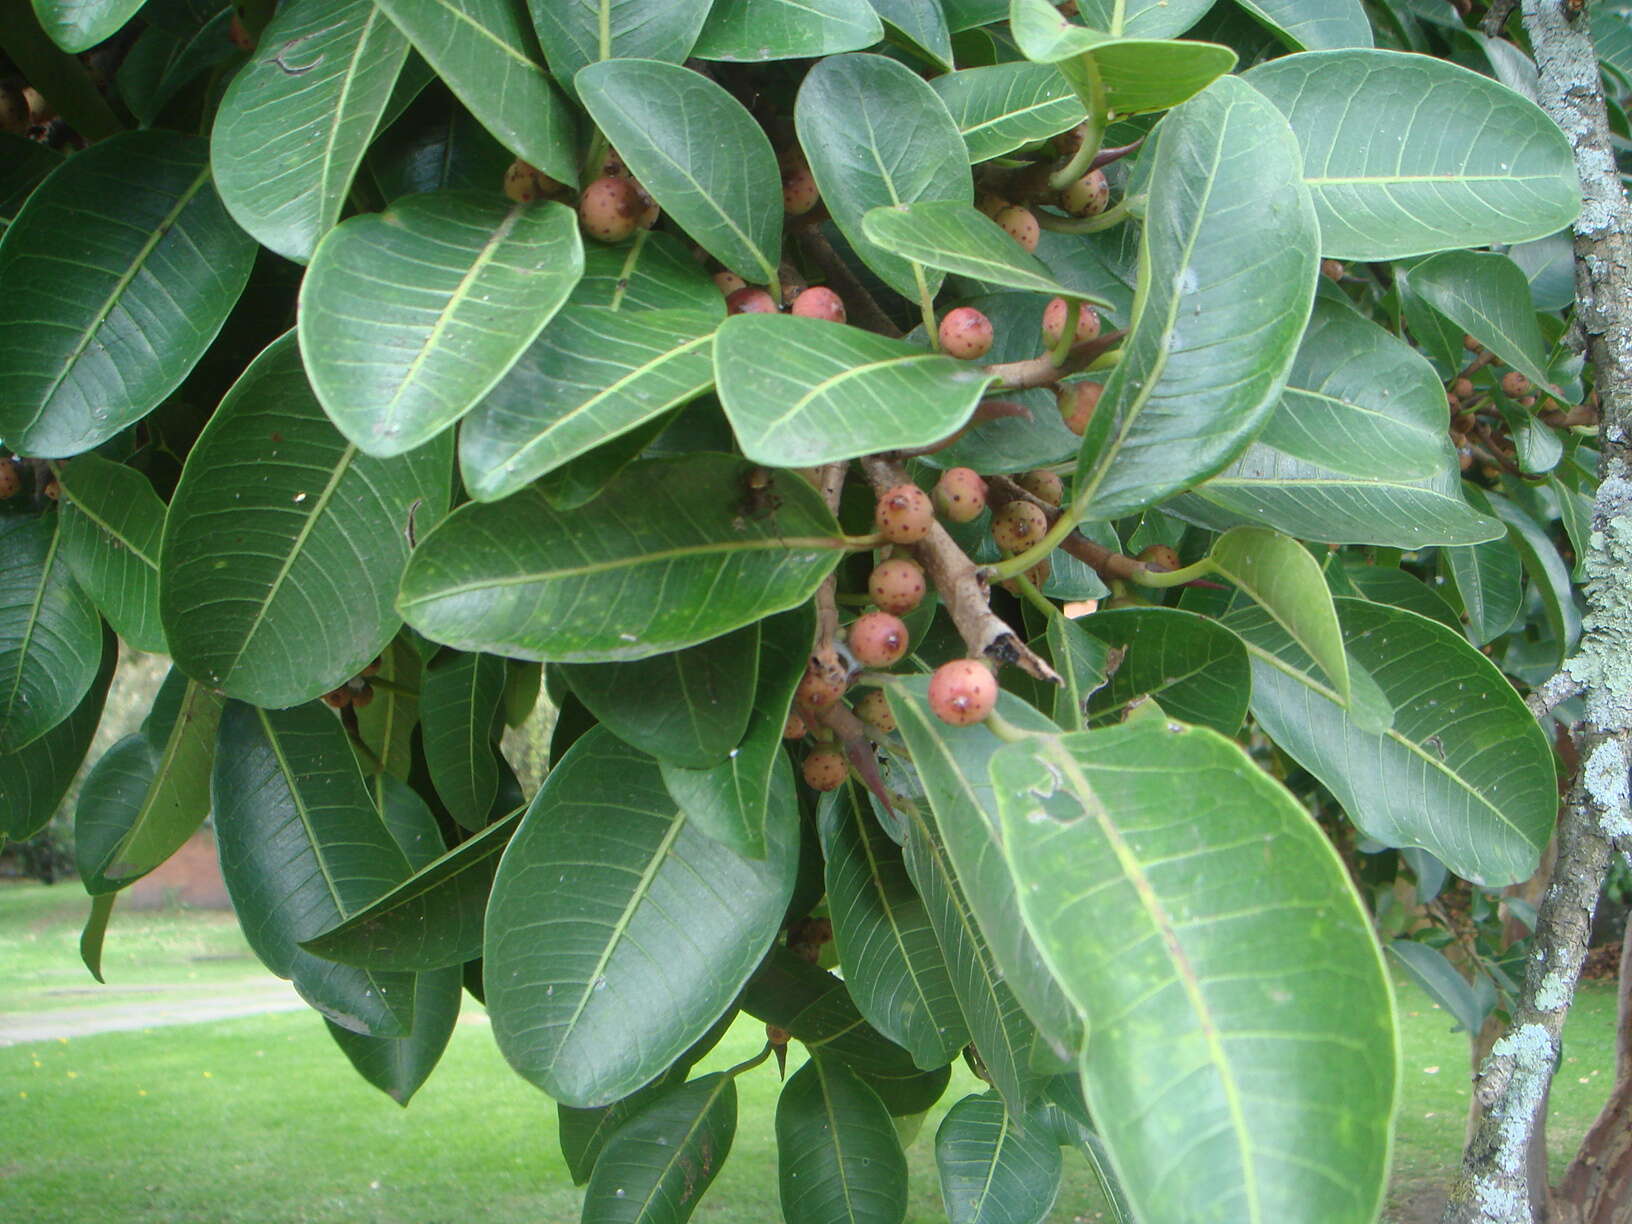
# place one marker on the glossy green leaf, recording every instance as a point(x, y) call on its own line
point(1000, 107)
point(1384, 584)
point(1440, 980)
point(50, 635)
point(303, 847)
point(1226, 282)
point(398, 1066)
point(1549, 576)
point(886, 944)
point(24, 165)
point(483, 51)
point(1537, 447)
point(436, 144)
point(1490, 579)
point(664, 558)
point(732, 801)
point(111, 525)
point(1194, 669)
point(98, 332)
point(995, 1168)
point(150, 792)
point(95, 932)
point(699, 154)
point(385, 727)
point(951, 764)
point(920, 26)
point(1142, 18)
point(956, 238)
point(661, 1161)
point(294, 124)
point(410, 316)
point(458, 707)
point(801, 392)
point(1082, 661)
point(652, 271)
point(78, 25)
point(166, 58)
point(689, 707)
point(595, 374)
point(1182, 937)
point(1314, 25)
point(641, 906)
point(861, 162)
point(284, 544)
point(1281, 576)
point(750, 31)
point(838, 1158)
point(431, 920)
point(34, 778)
point(577, 34)
point(1486, 296)
point(1464, 772)
point(1475, 164)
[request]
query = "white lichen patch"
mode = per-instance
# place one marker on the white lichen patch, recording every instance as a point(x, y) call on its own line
point(1554, 992)
point(1603, 667)
point(1604, 776)
point(1501, 1193)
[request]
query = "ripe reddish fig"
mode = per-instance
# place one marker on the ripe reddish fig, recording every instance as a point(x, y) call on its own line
point(904, 514)
point(960, 495)
point(750, 300)
point(610, 209)
point(819, 302)
point(966, 333)
point(897, 585)
point(878, 639)
point(1055, 315)
point(962, 692)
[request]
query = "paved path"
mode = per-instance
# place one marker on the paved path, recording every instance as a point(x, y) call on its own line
point(190, 1007)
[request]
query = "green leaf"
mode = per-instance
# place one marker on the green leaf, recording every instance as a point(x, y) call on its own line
point(309, 604)
point(78, 25)
point(577, 34)
point(294, 124)
point(1194, 669)
point(150, 792)
point(837, 1155)
point(1481, 165)
point(1314, 25)
point(731, 802)
point(431, 920)
point(689, 707)
point(800, 392)
point(951, 764)
point(861, 162)
point(166, 59)
point(956, 238)
point(1082, 661)
point(652, 271)
point(1549, 576)
point(1486, 296)
point(921, 27)
point(1001, 107)
point(664, 558)
point(1490, 579)
point(751, 31)
point(96, 930)
point(1285, 580)
point(995, 1168)
point(34, 778)
point(302, 847)
point(397, 1066)
point(698, 152)
point(662, 1160)
point(641, 906)
point(24, 165)
point(458, 706)
point(1142, 18)
point(1226, 283)
point(50, 635)
point(1442, 981)
point(1384, 584)
point(1182, 937)
point(1464, 772)
point(410, 316)
point(111, 525)
point(100, 330)
point(885, 940)
point(483, 51)
point(436, 144)
point(385, 727)
point(595, 374)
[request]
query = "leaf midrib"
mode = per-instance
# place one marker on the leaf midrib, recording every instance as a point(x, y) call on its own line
point(27, 642)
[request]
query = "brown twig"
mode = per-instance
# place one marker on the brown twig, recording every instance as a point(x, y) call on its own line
point(829, 482)
point(962, 589)
point(1044, 372)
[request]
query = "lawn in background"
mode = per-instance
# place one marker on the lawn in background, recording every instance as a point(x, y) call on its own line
point(262, 1121)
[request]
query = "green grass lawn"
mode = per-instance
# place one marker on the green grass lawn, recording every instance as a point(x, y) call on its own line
point(262, 1120)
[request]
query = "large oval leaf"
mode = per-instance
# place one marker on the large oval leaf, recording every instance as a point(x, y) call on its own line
point(302, 847)
point(1142, 18)
point(1490, 579)
point(1462, 160)
point(1226, 282)
point(458, 707)
point(294, 124)
point(50, 635)
point(661, 1161)
point(595, 374)
point(398, 1066)
point(586, 31)
point(957, 238)
point(749, 31)
point(1000, 107)
point(652, 271)
point(800, 392)
point(482, 50)
point(1189, 665)
point(99, 331)
point(1464, 772)
point(995, 1168)
point(884, 937)
point(78, 25)
point(839, 1160)
point(1314, 25)
point(1486, 295)
point(861, 162)
point(640, 907)
point(112, 522)
point(1182, 937)
point(698, 152)
point(278, 588)
point(666, 557)
point(408, 317)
